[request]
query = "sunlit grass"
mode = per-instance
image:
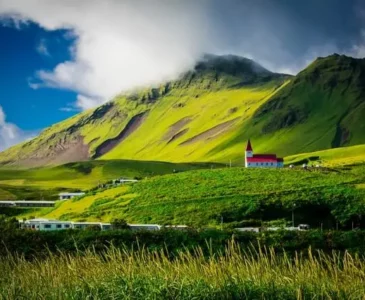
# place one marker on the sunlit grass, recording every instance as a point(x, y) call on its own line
point(143, 274)
point(82, 175)
point(332, 157)
point(78, 206)
point(201, 197)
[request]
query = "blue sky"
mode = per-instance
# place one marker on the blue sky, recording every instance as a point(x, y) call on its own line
point(21, 56)
point(59, 57)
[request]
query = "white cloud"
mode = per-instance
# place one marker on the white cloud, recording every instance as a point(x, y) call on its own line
point(85, 103)
point(125, 44)
point(10, 134)
point(70, 108)
point(42, 48)
point(119, 44)
point(358, 49)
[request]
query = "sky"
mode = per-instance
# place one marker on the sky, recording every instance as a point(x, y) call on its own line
point(60, 57)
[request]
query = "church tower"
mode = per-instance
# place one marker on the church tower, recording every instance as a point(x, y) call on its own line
point(248, 152)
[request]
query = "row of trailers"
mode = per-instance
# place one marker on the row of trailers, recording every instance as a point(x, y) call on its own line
point(38, 203)
point(54, 225)
point(27, 203)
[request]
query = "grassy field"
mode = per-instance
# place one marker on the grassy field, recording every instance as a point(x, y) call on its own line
point(332, 157)
point(143, 274)
point(203, 197)
point(47, 182)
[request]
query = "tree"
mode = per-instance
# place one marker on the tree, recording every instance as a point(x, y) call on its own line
point(8, 224)
point(119, 224)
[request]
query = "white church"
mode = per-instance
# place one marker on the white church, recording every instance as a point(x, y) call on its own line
point(261, 160)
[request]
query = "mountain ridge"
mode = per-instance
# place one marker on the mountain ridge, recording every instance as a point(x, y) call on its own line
point(209, 113)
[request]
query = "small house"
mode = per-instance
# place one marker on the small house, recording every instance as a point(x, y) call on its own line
point(67, 196)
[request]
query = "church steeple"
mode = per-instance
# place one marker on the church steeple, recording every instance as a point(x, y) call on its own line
point(249, 147)
point(248, 152)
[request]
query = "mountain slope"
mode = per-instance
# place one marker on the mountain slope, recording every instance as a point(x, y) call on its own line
point(323, 107)
point(354, 155)
point(170, 122)
point(211, 111)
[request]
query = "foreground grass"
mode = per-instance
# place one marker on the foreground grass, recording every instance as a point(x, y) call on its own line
point(143, 274)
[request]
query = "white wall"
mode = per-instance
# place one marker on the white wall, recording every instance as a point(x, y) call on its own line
point(53, 226)
point(259, 165)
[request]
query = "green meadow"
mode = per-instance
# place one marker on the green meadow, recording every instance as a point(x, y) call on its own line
point(47, 182)
point(331, 157)
point(236, 195)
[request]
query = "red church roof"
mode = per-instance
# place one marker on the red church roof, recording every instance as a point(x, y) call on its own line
point(262, 160)
point(265, 156)
point(249, 147)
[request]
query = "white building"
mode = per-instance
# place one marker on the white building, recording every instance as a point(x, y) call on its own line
point(123, 181)
point(261, 160)
point(27, 203)
point(144, 226)
point(249, 229)
point(66, 196)
point(85, 225)
point(7, 203)
point(44, 224)
point(52, 225)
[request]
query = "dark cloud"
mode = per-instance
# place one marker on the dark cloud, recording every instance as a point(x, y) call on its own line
point(286, 34)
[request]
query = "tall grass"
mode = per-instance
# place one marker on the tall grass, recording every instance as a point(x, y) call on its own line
point(143, 274)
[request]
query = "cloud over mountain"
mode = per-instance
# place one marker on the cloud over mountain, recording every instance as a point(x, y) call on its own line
point(120, 45)
point(10, 134)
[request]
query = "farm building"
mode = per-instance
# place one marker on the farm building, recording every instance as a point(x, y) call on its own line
point(7, 203)
point(144, 226)
point(66, 196)
point(122, 181)
point(261, 160)
point(52, 225)
point(27, 203)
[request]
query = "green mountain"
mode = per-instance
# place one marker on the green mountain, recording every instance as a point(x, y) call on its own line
point(209, 113)
point(323, 107)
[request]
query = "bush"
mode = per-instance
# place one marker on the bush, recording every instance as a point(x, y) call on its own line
point(119, 224)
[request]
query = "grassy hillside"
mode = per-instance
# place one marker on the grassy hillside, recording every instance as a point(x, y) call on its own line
point(321, 108)
point(49, 181)
point(331, 157)
point(178, 121)
point(210, 112)
point(236, 194)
